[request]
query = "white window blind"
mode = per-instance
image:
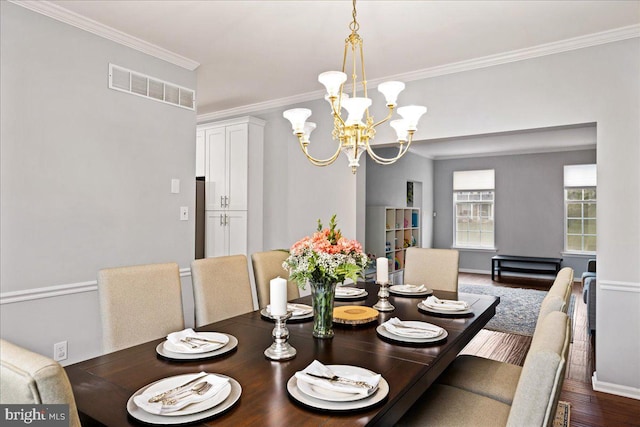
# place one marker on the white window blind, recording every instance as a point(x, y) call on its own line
point(474, 180)
point(580, 176)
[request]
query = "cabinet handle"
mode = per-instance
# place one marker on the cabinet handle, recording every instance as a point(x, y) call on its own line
point(226, 219)
point(226, 199)
point(221, 223)
point(222, 201)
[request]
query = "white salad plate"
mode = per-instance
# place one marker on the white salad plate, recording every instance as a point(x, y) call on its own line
point(163, 349)
point(324, 399)
point(447, 312)
point(381, 330)
point(217, 404)
point(360, 295)
point(400, 290)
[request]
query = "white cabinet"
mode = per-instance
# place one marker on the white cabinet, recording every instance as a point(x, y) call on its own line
point(226, 167)
point(226, 233)
point(233, 163)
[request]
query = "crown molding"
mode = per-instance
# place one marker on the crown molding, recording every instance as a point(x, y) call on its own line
point(61, 14)
point(575, 43)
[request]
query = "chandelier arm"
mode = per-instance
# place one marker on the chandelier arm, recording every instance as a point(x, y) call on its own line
point(320, 162)
point(389, 114)
point(387, 161)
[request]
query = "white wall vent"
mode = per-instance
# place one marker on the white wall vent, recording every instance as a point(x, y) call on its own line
point(139, 84)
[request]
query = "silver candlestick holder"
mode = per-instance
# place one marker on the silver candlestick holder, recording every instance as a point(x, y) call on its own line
point(281, 349)
point(383, 303)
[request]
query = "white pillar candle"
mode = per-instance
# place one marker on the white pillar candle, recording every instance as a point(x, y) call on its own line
point(382, 270)
point(278, 296)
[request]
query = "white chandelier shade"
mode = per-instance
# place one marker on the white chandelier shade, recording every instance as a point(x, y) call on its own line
point(355, 133)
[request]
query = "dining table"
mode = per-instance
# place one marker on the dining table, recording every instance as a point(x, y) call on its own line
point(103, 385)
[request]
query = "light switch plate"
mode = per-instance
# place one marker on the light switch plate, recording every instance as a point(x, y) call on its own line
point(175, 186)
point(184, 213)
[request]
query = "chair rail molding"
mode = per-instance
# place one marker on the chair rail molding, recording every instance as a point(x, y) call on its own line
point(611, 285)
point(59, 290)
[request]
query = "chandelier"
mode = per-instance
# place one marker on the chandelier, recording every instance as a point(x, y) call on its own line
point(354, 135)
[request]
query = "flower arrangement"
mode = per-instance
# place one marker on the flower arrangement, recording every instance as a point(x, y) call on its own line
point(325, 257)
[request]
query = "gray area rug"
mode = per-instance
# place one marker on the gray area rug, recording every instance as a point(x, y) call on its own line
point(518, 310)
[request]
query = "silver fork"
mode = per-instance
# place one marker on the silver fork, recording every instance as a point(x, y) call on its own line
point(197, 390)
point(191, 344)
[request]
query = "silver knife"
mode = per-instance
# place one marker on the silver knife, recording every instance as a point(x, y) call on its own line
point(203, 340)
point(165, 394)
point(343, 380)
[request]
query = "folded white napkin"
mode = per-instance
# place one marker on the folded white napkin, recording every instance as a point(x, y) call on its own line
point(296, 309)
point(160, 408)
point(410, 288)
point(318, 368)
point(413, 330)
point(203, 347)
point(348, 291)
point(445, 304)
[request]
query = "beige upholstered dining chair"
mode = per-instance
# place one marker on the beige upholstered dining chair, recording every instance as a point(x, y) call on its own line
point(435, 268)
point(221, 288)
point(266, 266)
point(30, 378)
point(139, 303)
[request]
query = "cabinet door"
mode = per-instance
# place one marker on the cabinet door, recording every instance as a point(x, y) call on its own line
point(237, 166)
point(216, 234)
point(216, 168)
point(237, 228)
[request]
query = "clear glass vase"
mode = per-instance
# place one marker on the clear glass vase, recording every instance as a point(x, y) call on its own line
point(322, 295)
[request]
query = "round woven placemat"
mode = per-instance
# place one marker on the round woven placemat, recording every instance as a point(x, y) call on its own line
point(354, 314)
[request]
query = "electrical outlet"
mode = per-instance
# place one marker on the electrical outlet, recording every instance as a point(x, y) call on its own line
point(60, 351)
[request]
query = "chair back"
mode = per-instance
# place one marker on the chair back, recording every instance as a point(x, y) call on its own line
point(221, 288)
point(562, 286)
point(266, 266)
point(30, 378)
point(536, 397)
point(435, 268)
point(139, 304)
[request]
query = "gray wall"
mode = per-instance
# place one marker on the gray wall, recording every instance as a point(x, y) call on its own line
point(529, 206)
point(86, 175)
point(387, 186)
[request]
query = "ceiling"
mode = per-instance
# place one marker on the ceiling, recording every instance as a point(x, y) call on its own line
point(254, 52)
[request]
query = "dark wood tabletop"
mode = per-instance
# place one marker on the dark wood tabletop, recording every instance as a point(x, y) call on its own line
point(103, 385)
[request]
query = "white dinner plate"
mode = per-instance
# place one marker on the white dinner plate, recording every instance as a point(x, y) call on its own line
point(322, 393)
point(398, 290)
point(265, 313)
point(231, 345)
point(298, 395)
point(360, 295)
point(424, 308)
point(194, 412)
point(382, 331)
point(214, 336)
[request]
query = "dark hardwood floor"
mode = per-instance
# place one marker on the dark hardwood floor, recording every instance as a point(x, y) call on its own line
point(588, 408)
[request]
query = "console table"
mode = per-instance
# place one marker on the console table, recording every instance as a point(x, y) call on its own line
point(524, 264)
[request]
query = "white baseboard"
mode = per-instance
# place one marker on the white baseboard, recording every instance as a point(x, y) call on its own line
point(58, 290)
point(617, 389)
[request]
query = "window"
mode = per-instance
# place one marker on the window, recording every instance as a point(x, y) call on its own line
point(473, 208)
point(580, 208)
